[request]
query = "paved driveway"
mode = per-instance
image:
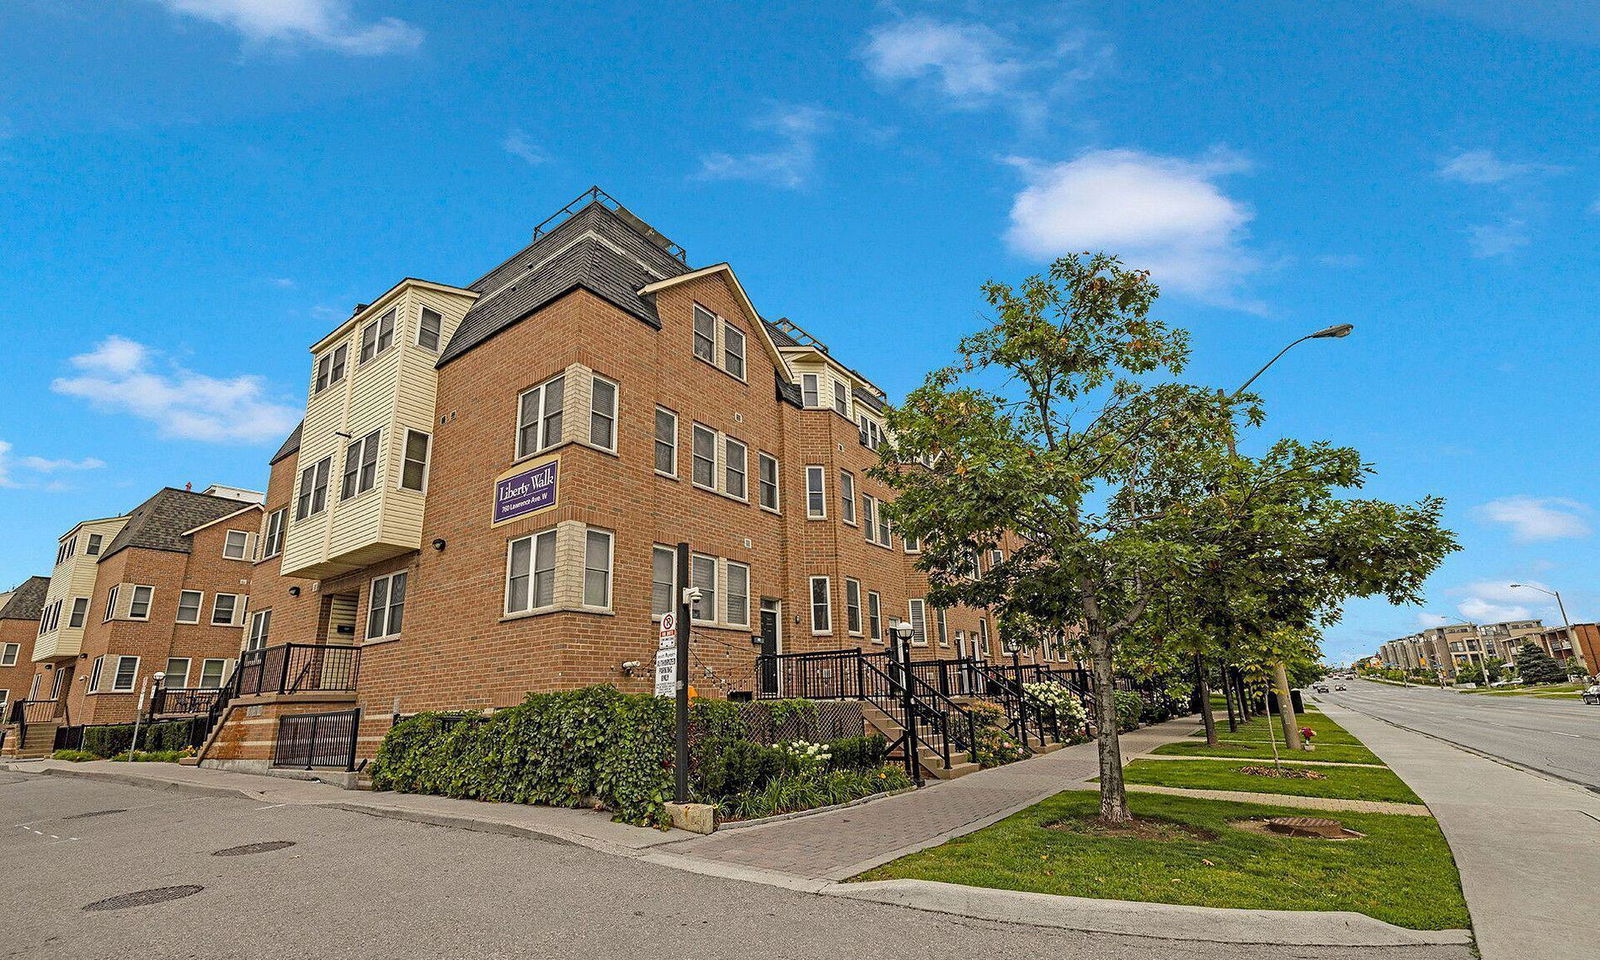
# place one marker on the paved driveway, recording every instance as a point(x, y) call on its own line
point(358, 886)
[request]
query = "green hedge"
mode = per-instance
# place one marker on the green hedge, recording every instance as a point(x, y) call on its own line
point(1129, 709)
point(113, 739)
point(596, 745)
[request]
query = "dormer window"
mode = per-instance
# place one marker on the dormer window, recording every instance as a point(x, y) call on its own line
point(377, 336)
point(841, 399)
point(810, 394)
point(428, 328)
point(330, 367)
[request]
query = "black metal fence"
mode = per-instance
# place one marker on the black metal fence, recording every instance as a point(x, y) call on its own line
point(110, 739)
point(317, 740)
point(183, 700)
point(298, 668)
point(816, 722)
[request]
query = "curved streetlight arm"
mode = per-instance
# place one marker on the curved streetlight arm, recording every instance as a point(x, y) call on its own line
point(1246, 385)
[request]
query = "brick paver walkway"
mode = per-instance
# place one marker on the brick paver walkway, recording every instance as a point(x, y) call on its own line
point(843, 843)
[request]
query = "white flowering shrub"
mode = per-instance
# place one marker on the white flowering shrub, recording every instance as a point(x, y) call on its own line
point(806, 756)
point(1060, 701)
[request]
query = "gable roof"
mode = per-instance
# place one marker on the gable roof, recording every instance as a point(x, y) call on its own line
point(598, 249)
point(290, 445)
point(163, 521)
point(26, 602)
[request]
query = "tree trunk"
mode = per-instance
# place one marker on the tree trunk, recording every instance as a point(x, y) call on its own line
point(1113, 792)
point(1227, 698)
point(1204, 683)
point(1291, 729)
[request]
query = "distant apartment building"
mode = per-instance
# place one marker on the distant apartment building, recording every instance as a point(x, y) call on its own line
point(20, 608)
point(1451, 648)
point(486, 490)
point(163, 589)
point(1583, 643)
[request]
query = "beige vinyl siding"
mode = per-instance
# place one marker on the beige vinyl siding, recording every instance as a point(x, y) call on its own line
point(342, 609)
point(75, 577)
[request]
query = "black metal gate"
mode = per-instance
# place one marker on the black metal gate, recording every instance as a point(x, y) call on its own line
point(317, 740)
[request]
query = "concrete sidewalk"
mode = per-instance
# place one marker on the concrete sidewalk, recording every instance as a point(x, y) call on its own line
point(843, 843)
point(1528, 847)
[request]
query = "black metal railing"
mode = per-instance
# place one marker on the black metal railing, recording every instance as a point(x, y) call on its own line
point(182, 701)
point(317, 740)
point(297, 668)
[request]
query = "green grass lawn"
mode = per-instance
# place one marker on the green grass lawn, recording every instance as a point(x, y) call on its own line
point(1261, 750)
point(1401, 871)
point(1256, 728)
point(1341, 783)
point(1563, 690)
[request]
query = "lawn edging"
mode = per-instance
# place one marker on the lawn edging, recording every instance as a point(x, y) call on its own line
point(1303, 928)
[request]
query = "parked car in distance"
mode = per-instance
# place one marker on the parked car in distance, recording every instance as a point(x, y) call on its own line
point(1320, 688)
point(1338, 686)
point(1592, 694)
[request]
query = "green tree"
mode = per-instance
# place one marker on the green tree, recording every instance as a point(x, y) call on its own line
point(1049, 428)
point(1536, 666)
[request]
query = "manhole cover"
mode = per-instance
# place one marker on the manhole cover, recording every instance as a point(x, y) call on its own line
point(266, 846)
point(145, 898)
point(1307, 827)
point(95, 813)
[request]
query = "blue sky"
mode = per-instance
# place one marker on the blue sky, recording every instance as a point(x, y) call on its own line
point(192, 191)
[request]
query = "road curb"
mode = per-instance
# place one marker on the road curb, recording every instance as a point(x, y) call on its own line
point(134, 780)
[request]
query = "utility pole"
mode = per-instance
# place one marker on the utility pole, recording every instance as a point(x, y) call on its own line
point(681, 687)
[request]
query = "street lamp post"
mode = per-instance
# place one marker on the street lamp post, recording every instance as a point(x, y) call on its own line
point(1566, 623)
point(1280, 673)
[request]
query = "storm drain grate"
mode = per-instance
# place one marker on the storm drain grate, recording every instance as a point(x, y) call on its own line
point(266, 846)
point(145, 898)
point(95, 813)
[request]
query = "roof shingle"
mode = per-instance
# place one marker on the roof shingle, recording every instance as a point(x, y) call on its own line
point(26, 602)
point(161, 521)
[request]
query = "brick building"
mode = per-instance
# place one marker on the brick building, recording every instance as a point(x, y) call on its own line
point(163, 589)
point(20, 608)
point(489, 480)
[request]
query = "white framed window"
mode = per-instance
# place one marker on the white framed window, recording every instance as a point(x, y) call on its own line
point(127, 671)
point(272, 542)
point(429, 325)
point(913, 544)
point(733, 349)
point(111, 600)
point(260, 629)
point(666, 442)
point(718, 342)
point(735, 468)
point(810, 390)
point(768, 480)
point(821, 606)
point(377, 336)
point(597, 569)
point(874, 616)
point(852, 606)
point(177, 673)
point(737, 607)
point(224, 609)
point(704, 454)
point(942, 626)
point(330, 367)
point(236, 544)
point(387, 606)
point(212, 673)
point(33, 688)
point(360, 466)
point(871, 433)
point(816, 494)
point(93, 549)
point(603, 414)
point(531, 572)
point(705, 334)
point(414, 461)
point(189, 603)
point(539, 413)
point(869, 516)
point(884, 538)
point(663, 580)
point(9, 654)
point(983, 636)
point(916, 608)
point(94, 678)
point(313, 497)
point(996, 557)
point(847, 497)
point(56, 684)
point(703, 574)
point(841, 399)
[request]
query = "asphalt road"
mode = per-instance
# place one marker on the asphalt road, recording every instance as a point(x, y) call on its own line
point(1559, 737)
point(354, 885)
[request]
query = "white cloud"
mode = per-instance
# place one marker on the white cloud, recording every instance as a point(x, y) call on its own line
point(39, 465)
point(518, 145)
point(970, 66)
point(1537, 518)
point(790, 164)
point(1499, 238)
point(1482, 166)
point(322, 23)
point(1425, 620)
point(1478, 610)
point(1164, 214)
point(124, 376)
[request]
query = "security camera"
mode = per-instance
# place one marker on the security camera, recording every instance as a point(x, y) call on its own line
point(692, 595)
point(629, 666)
